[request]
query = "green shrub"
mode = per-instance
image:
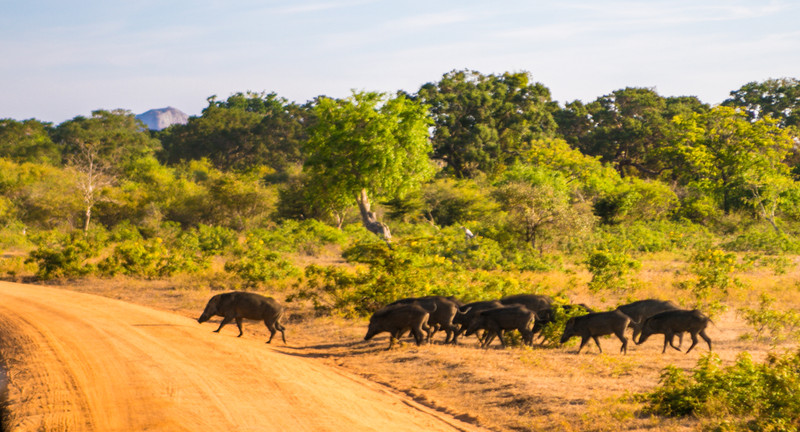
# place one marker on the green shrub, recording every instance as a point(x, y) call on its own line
point(408, 268)
point(256, 263)
point(307, 237)
point(214, 240)
point(652, 236)
point(712, 279)
point(153, 258)
point(636, 199)
point(769, 323)
point(60, 255)
point(552, 331)
point(611, 270)
point(763, 238)
point(743, 396)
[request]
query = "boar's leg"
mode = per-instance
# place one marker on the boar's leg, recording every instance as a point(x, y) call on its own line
point(418, 338)
point(694, 342)
point(706, 338)
point(621, 335)
point(672, 339)
point(239, 324)
point(597, 342)
point(272, 331)
point(225, 320)
point(584, 340)
point(488, 338)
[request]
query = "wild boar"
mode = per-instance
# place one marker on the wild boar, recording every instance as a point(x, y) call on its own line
point(396, 319)
point(670, 323)
point(643, 309)
point(533, 302)
point(238, 304)
point(469, 313)
point(497, 320)
point(548, 316)
point(598, 324)
point(442, 311)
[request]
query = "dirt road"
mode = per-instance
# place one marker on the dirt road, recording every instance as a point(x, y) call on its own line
point(82, 362)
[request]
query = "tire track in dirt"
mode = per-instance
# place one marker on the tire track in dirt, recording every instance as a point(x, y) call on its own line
point(83, 362)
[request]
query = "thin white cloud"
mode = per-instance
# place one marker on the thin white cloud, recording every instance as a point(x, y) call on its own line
point(317, 7)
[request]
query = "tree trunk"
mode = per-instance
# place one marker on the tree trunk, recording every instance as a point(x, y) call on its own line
point(86, 221)
point(369, 219)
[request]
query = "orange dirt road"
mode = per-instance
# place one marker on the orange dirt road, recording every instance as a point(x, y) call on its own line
point(79, 362)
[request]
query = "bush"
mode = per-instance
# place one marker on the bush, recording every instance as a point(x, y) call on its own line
point(637, 199)
point(611, 270)
point(307, 237)
point(214, 240)
point(763, 238)
point(152, 258)
point(653, 236)
point(552, 331)
point(59, 255)
point(743, 396)
point(769, 323)
point(712, 279)
point(256, 263)
point(406, 269)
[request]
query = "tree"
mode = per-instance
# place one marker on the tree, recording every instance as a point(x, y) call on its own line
point(484, 123)
point(97, 149)
point(367, 144)
point(737, 161)
point(778, 98)
point(536, 199)
point(244, 130)
point(627, 128)
point(27, 141)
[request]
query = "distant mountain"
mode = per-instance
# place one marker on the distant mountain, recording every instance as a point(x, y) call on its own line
point(157, 119)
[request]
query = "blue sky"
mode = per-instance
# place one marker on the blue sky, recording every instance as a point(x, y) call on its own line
point(63, 59)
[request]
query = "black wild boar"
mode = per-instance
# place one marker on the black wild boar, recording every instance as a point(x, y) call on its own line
point(548, 316)
point(643, 309)
point(396, 319)
point(237, 305)
point(469, 313)
point(497, 320)
point(442, 311)
point(674, 322)
point(533, 302)
point(598, 324)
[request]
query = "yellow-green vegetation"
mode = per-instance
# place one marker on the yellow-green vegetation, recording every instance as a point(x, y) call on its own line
point(477, 186)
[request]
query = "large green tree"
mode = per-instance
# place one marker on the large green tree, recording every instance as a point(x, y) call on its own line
point(27, 141)
point(97, 150)
point(737, 161)
point(484, 123)
point(244, 130)
point(627, 128)
point(368, 146)
point(779, 98)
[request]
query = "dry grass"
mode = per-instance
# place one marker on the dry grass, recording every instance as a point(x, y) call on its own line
point(517, 389)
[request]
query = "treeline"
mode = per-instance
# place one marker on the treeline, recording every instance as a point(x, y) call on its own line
point(631, 171)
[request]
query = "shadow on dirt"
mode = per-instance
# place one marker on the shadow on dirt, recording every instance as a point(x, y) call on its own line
point(333, 350)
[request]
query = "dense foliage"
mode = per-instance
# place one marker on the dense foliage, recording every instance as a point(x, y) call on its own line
point(744, 396)
point(257, 181)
